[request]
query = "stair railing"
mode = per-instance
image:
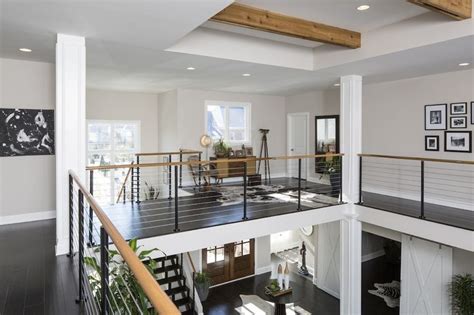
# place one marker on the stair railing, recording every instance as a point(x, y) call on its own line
point(124, 185)
point(194, 295)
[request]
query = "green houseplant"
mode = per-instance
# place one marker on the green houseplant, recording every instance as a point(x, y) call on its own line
point(221, 149)
point(125, 292)
point(462, 294)
point(203, 282)
point(151, 192)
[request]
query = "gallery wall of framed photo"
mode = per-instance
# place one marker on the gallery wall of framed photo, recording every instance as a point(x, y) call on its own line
point(454, 119)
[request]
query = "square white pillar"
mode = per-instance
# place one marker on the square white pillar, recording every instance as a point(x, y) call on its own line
point(351, 265)
point(351, 135)
point(70, 126)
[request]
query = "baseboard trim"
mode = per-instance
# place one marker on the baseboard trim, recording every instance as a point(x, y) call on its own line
point(262, 270)
point(27, 217)
point(373, 255)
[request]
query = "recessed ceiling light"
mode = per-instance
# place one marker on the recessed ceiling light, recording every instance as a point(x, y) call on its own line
point(246, 75)
point(190, 68)
point(25, 50)
point(464, 64)
point(363, 7)
point(337, 84)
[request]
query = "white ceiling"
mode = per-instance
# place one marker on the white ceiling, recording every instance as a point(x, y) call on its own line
point(125, 43)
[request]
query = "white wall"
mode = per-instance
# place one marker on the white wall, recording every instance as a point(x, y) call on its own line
point(463, 261)
point(116, 105)
point(168, 121)
point(27, 184)
point(316, 103)
point(262, 254)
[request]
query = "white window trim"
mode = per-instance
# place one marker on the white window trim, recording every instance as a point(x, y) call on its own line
point(248, 118)
point(112, 151)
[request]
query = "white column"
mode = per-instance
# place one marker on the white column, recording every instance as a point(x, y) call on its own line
point(351, 135)
point(351, 265)
point(70, 126)
point(351, 228)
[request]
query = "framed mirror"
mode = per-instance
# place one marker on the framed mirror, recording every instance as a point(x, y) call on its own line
point(326, 137)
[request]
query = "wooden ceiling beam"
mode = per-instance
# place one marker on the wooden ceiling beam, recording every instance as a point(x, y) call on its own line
point(456, 9)
point(267, 21)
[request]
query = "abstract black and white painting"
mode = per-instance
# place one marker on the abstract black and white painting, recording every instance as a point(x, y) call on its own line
point(458, 141)
point(432, 143)
point(458, 108)
point(436, 117)
point(457, 122)
point(26, 132)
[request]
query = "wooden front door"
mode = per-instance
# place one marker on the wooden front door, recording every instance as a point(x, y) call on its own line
point(227, 262)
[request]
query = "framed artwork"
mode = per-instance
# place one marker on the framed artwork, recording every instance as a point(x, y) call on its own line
point(431, 143)
point(459, 108)
point(26, 132)
point(458, 122)
point(436, 117)
point(248, 151)
point(239, 153)
point(472, 113)
point(458, 141)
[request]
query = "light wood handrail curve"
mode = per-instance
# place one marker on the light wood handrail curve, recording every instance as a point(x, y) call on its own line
point(218, 161)
point(157, 297)
point(167, 153)
point(191, 261)
point(412, 158)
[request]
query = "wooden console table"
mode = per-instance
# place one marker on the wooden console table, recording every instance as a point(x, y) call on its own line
point(230, 169)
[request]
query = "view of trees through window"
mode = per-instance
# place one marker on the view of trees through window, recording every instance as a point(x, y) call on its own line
point(228, 121)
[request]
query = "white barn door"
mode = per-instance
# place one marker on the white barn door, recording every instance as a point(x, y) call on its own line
point(328, 268)
point(425, 276)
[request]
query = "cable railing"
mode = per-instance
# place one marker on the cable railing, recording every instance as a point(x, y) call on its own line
point(438, 190)
point(114, 277)
point(167, 197)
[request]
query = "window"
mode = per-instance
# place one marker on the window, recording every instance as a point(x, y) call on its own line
point(242, 248)
point(111, 142)
point(215, 254)
point(229, 121)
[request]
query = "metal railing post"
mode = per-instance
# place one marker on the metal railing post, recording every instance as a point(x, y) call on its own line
point(200, 169)
point(132, 186)
point(360, 180)
point(71, 213)
point(138, 179)
point(245, 192)
point(104, 270)
point(169, 178)
point(81, 245)
point(340, 179)
point(180, 168)
point(299, 185)
point(124, 194)
point(91, 212)
point(194, 290)
point(176, 222)
point(422, 200)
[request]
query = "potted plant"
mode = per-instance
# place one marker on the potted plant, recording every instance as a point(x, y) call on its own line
point(221, 149)
point(462, 294)
point(203, 282)
point(332, 169)
point(151, 193)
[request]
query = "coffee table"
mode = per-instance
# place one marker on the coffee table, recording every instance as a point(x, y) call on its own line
point(280, 301)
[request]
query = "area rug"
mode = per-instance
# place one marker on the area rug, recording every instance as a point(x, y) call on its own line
point(254, 305)
point(390, 292)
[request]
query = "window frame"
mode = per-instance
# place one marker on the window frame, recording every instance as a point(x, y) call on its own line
point(227, 105)
point(113, 151)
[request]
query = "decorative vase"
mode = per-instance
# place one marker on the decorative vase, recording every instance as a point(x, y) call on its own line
point(280, 276)
point(287, 276)
point(202, 290)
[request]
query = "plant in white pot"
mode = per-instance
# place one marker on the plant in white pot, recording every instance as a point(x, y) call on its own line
point(462, 294)
point(203, 282)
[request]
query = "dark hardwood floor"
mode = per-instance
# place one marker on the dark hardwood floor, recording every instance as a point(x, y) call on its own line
point(377, 270)
point(32, 279)
point(433, 212)
point(223, 300)
point(202, 209)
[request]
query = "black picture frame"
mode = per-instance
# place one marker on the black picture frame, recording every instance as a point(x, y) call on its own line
point(464, 105)
point(318, 161)
point(444, 123)
point(468, 133)
point(472, 113)
point(427, 148)
point(452, 126)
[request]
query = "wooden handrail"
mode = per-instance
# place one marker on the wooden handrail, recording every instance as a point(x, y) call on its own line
point(168, 153)
point(191, 261)
point(157, 297)
point(217, 161)
point(124, 183)
point(412, 158)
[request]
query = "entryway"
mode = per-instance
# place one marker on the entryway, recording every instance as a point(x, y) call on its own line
point(224, 263)
point(298, 142)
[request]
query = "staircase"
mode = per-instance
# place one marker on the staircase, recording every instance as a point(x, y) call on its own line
point(169, 273)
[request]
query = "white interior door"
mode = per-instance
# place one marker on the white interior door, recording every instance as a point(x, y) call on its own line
point(298, 142)
point(328, 266)
point(425, 275)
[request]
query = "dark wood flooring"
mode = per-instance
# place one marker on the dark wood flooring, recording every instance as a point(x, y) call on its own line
point(433, 212)
point(377, 270)
point(32, 279)
point(201, 209)
point(223, 300)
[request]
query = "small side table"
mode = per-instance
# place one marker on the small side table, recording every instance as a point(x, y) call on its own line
point(280, 301)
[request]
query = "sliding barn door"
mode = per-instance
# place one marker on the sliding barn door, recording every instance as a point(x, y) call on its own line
point(425, 276)
point(328, 273)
